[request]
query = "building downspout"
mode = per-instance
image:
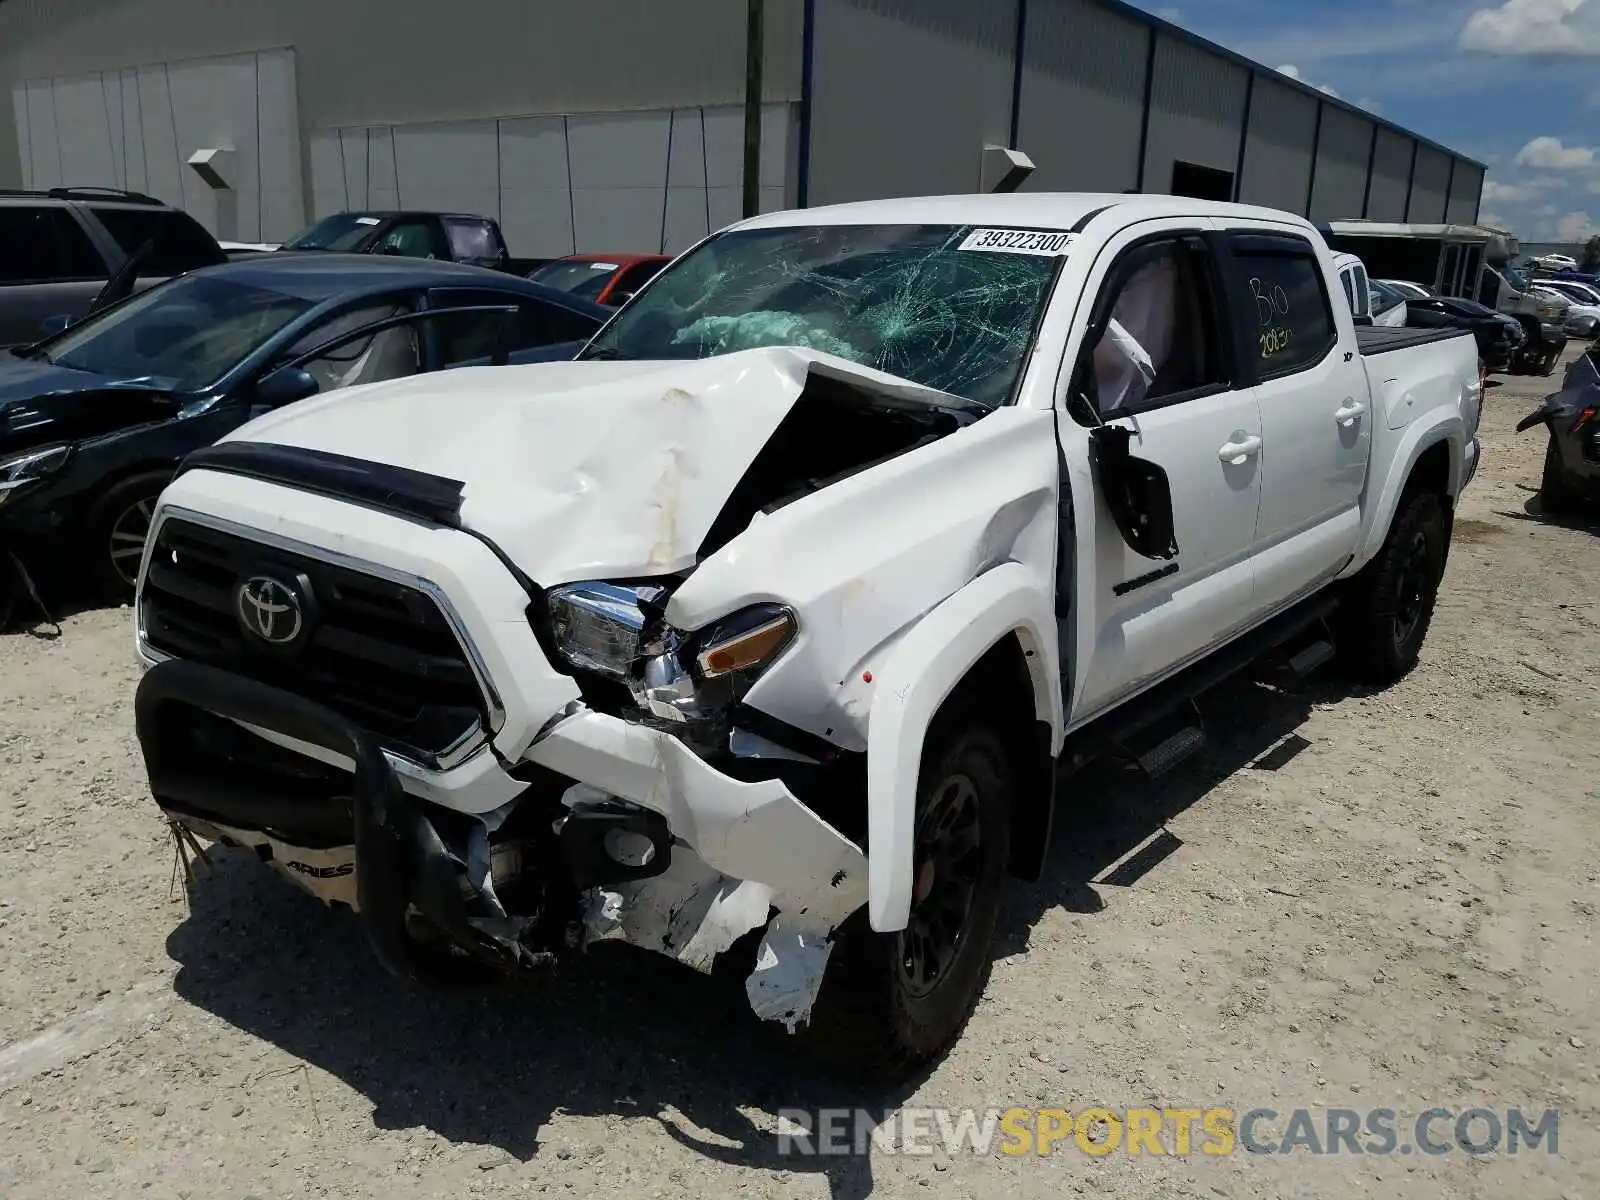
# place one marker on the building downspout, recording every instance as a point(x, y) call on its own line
point(754, 62)
point(808, 47)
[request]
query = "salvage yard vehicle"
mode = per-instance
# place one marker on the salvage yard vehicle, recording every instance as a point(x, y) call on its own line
point(453, 237)
point(764, 627)
point(1499, 337)
point(1571, 475)
point(609, 279)
point(58, 248)
point(94, 421)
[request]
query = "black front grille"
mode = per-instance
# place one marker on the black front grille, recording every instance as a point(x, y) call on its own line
point(379, 653)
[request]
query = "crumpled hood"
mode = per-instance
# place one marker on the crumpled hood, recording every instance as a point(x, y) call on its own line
point(578, 470)
point(41, 403)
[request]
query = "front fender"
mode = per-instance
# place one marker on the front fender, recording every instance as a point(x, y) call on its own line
point(1383, 494)
point(920, 673)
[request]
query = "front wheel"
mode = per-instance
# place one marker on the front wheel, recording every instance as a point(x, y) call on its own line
point(115, 533)
point(890, 1002)
point(1390, 603)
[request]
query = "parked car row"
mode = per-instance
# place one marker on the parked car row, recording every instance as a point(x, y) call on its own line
point(130, 336)
point(95, 419)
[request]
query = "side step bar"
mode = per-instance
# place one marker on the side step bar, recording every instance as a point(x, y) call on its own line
point(1120, 730)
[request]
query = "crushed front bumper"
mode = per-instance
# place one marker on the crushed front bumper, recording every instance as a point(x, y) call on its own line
point(725, 857)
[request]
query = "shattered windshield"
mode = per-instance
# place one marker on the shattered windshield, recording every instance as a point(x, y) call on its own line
point(951, 307)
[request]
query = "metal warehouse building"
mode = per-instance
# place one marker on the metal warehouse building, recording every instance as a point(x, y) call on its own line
point(619, 124)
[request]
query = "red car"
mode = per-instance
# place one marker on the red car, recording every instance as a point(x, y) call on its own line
point(609, 279)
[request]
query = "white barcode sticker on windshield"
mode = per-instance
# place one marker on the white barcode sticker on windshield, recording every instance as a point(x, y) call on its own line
point(1018, 241)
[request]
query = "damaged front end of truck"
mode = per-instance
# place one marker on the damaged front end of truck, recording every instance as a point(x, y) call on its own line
point(641, 647)
point(684, 767)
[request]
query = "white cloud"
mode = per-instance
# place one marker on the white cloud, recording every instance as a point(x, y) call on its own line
point(1495, 192)
point(1567, 27)
point(1575, 227)
point(1549, 154)
point(1175, 15)
point(1293, 72)
point(1368, 103)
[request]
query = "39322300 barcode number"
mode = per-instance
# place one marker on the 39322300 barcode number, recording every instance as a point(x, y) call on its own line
point(1018, 241)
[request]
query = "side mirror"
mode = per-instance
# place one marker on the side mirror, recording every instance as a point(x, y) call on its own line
point(285, 386)
point(55, 324)
point(1136, 491)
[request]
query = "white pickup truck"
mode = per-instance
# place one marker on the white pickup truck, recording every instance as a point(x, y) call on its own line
point(762, 628)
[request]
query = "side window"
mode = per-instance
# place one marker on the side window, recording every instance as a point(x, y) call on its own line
point(1159, 337)
point(44, 244)
point(1284, 301)
point(411, 239)
point(387, 354)
point(180, 242)
point(466, 337)
point(636, 276)
point(472, 240)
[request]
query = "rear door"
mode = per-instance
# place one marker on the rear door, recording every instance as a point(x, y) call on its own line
point(1159, 358)
point(1316, 419)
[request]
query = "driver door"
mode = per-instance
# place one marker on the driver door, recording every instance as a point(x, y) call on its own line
point(1158, 357)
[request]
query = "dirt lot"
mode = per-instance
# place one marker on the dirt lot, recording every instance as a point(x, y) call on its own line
point(1359, 901)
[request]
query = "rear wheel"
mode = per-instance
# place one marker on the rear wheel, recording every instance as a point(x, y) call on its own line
point(115, 533)
point(1390, 604)
point(892, 1001)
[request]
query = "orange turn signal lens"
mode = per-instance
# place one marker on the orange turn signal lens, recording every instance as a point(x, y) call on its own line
point(748, 648)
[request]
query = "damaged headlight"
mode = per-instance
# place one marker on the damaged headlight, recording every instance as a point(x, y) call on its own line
point(596, 626)
point(616, 630)
point(20, 470)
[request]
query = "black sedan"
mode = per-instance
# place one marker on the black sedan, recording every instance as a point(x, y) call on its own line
point(1499, 337)
point(93, 420)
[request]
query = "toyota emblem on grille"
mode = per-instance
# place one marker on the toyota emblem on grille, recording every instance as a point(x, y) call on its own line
point(270, 609)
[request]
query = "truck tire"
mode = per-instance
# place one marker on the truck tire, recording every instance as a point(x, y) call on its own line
point(1554, 494)
point(113, 541)
point(890, 1002)
point(1390, 604)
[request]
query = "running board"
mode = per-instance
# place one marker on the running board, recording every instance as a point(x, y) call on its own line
point(1171, 750)
point(1121, 728)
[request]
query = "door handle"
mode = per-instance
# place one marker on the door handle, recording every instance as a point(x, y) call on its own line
point(1347, 414)
point(1234, 453)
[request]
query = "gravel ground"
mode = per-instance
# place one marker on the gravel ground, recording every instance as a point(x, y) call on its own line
point(1360, 901)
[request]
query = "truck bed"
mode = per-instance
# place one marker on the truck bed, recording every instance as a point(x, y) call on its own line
point(1373, 339)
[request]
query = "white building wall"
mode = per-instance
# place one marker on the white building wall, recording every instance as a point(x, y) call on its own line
point(135, 127)
point(478, 104)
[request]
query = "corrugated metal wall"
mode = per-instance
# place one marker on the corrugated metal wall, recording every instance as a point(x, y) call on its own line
point(1429, 184)
point(1196, 112)
point(1277, 155)
point(1341, 171)
point(905, 93)
point(1083, 84)
point(400, 61)
point(1465, 192)
point(135, 127)
point(1391, 177)
point(599, 183)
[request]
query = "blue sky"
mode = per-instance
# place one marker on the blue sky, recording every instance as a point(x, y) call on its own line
point(1512, 83)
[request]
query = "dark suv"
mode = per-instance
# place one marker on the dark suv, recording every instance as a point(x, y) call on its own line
point(58, 248)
